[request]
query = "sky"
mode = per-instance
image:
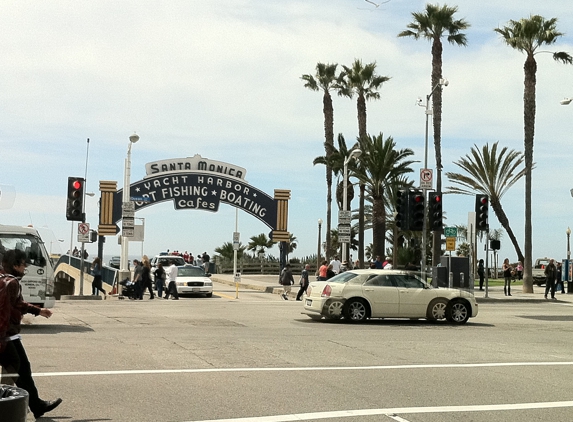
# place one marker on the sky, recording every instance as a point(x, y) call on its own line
point(222, 79)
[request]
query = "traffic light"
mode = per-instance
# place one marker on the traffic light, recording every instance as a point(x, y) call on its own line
point(402, 214)
point(416, 204)
point(482, 209)
point(435, 213)
point(75, 204)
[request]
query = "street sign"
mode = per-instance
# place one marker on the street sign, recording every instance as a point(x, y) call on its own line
point(140, 198)
point(426, 176)
point(128, 222)
point(344, 217)
point(83, 238)
point(128, 214)
point(237, 277)
point(83, 228)
point(127, 206)
point(236, 237)
point(127, 232)
point(451, 231)
point(343, 239)
point(450, 243)
point(344, 229)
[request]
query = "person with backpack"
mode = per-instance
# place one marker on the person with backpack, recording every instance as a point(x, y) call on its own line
point(14, 307)
point(286, 280)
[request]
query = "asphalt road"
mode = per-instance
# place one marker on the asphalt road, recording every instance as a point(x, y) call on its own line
point(257, 358)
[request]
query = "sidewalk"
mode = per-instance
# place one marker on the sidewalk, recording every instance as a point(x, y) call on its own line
point(270, 284)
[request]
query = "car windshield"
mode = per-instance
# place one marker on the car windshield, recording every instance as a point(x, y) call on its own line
point(166, 261)
point(190, 272)
point(344, 277)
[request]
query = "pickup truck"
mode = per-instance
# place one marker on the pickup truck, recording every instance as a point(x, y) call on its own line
point(538, 271)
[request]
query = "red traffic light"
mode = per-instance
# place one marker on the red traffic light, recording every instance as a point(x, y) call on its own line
point(483, 200)
point(437, 198)
point(77, 184)
point(418, 198)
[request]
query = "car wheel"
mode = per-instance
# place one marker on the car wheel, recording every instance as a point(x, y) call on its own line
point(356, 310)
point(437, 310)
point(334, 309)
point(209, 294)
point(458, 312)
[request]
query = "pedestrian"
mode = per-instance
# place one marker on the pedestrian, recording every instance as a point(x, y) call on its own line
point(75, 252)
point(286, 280)
point(322, 271)
point(146, 279)
point(559, 285)
point(481, 273)
point(356, 264)
point(172, 277)
point(137, 272)
point(206, 258)
point(388, 265)
point(506, 268)
point(378, 263)
point(96, 282)
point(159, 274)
point(13, 354)
point(343, 267)
point(335, 264)
point(86, 254)
point(329, 272)
point(519, 269)
point(304, 282)
point(550, 273)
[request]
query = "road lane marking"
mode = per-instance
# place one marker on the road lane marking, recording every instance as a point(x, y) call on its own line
point(394, 411)
point(224, 295)
point(300, 368)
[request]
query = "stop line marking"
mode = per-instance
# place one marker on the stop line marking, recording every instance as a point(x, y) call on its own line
point(299, 368)
point(392, 412)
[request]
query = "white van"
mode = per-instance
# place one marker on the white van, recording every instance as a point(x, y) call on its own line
point(38, 281)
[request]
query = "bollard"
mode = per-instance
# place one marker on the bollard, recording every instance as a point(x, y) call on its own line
point(461, 280)
point(451, 280)
point(13, 403)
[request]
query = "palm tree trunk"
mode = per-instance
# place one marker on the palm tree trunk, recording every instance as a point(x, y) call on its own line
point(437, 124)
point(530, 69)
point(378, 227)
point(361, 226)
point(504, 221)
point(328, 112)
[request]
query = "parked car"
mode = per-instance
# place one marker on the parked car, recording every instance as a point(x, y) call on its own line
point(115, 262)
point(165, 260)
point(357, 295)
point(193, 280)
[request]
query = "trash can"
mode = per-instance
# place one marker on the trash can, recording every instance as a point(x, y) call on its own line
point(212, 268)
point(13, 403)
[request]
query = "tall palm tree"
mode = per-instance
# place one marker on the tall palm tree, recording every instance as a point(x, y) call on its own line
point(325, 80)
point(227, 251)
point(492, 173)
point(259, 244)
point(380, 164)
point(362, 81)
point(433, 24)
point(526, 36)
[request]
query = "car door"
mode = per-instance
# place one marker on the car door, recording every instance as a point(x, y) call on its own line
point(414, 295)
point(382, 295)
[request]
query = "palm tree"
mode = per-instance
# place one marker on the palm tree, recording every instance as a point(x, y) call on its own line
point(325, 79)
point(492, 173)
point(380, 164)
point(291, 244)
point(526, 36)
point(362, 81)
point(259, 244)
point(227, 251)
point(432, 24)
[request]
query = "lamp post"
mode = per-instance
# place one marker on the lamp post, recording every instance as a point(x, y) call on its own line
point(318, 247)
point(429, 112)
point(569, 281)
point(124, 269)
point(51, 241)
point(355, 153)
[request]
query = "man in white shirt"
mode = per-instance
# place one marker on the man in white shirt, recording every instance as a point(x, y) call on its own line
point(335, 265)
point(172, 277)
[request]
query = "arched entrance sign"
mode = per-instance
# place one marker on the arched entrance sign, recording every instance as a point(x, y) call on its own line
point(200, 184)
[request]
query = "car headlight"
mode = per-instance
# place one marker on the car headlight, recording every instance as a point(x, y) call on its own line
point(208, 283)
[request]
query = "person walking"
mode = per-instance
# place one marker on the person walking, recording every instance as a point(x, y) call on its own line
point(550, 274)
point(481, 273)
point(159, 274)
point(335, 264)
point(559, 278)
point(519, 269)
point(13, 308)
point(506, 268)
point(206, 258)
point(303, 282)
point(137, 272)
point(286, 280)
point(172, 277)
point(96, 282)
point(146, 279)
point(322, 271)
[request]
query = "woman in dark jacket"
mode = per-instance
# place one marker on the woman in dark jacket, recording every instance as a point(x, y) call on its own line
point(96, 273)
point(146, 280)
point(159, 279)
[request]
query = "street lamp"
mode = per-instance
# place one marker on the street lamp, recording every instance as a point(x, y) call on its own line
point(124, 271)
point(567, 277)
point(565, 101)
point(51, 241)
point(318, 247)
point(355, 153)
point(441, 82)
